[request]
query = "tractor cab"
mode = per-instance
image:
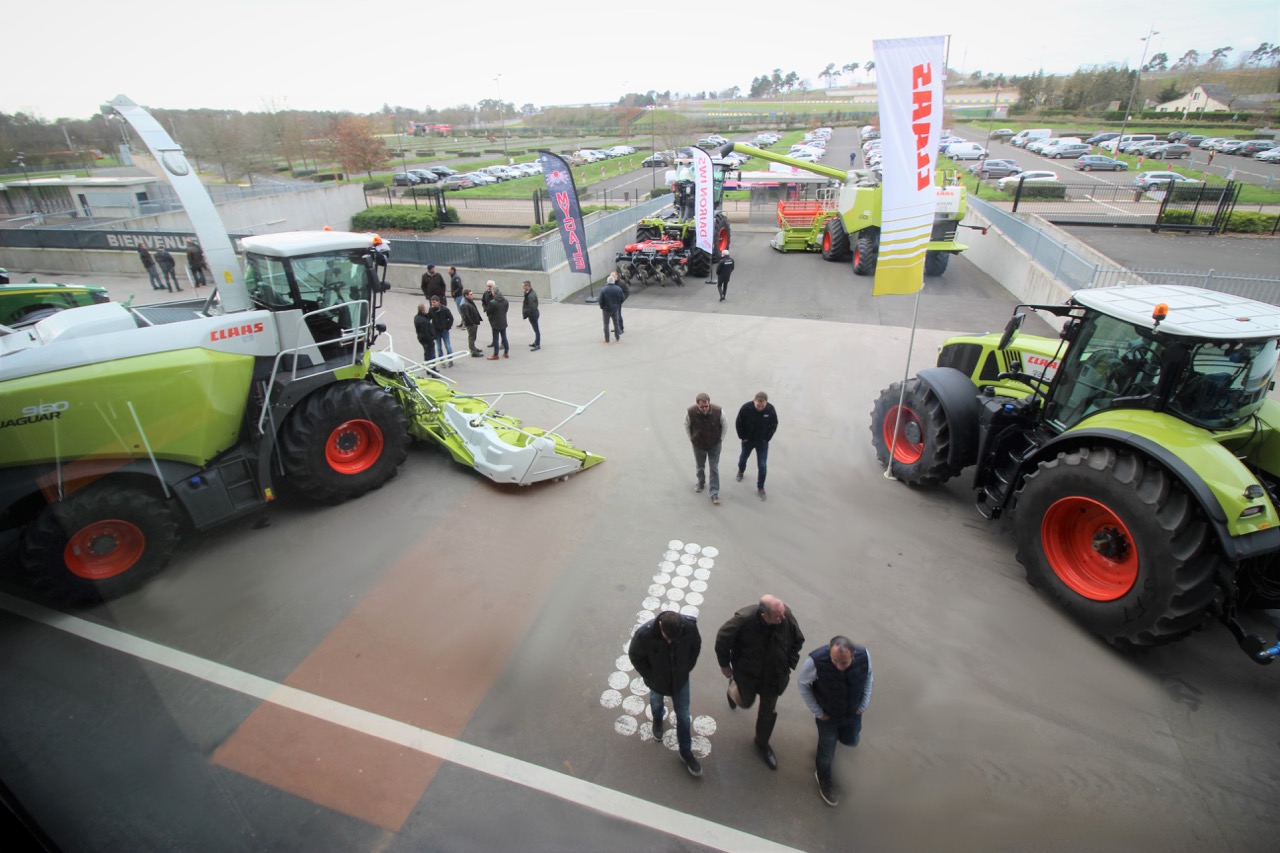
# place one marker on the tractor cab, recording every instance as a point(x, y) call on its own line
point(331, 278)
point(1181, 351)
point(683, 185)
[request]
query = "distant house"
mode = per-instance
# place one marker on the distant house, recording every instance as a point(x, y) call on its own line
point(1214, 97)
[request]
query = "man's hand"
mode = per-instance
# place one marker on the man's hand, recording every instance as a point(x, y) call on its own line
point(728, 673)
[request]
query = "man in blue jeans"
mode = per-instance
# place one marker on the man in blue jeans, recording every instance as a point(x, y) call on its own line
point(757, 422)
point(835, 682)
point(664, 651)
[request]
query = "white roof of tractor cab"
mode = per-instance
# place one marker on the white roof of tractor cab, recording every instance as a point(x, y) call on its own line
point(1193, 311)
point(296, 243)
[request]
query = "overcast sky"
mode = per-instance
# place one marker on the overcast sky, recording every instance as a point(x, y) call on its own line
point(67, 58)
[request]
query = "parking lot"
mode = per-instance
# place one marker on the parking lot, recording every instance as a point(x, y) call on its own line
point(429, 667)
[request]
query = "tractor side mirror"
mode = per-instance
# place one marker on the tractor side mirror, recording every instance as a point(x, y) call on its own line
point(1010, 329)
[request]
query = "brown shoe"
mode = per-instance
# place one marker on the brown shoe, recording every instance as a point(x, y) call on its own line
point(506, 355)
point(491, 358)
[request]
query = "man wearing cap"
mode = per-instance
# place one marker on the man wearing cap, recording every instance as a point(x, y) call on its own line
point(724, 270)
point(664, 651)
point(432, 283)
point(835, 683)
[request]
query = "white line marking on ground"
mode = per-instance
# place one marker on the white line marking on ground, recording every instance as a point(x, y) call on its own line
point(615, 804)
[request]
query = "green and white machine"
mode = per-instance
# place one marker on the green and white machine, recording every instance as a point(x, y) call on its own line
point(1138, 457)
point(844, 222)
point(121, 428)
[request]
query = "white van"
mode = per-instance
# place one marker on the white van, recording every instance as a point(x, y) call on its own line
point(1112, 144)
point(1022, 137)
point(965, 151)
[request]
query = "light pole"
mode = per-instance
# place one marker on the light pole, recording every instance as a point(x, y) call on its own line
point(31, 196)
point(1137, 78)
point(502, 118)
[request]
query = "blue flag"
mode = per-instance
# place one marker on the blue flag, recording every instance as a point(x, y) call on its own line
point(564, 197)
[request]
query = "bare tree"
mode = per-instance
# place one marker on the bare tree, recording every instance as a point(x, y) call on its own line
point(354, 145)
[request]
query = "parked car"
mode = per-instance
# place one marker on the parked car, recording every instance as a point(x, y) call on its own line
point(711, 142)
point(661, 158)
point(1023, 137)
point(1099, 138)
point(1169, 151)
point(1218, 143)
point(1068, 150)
point(1271, 155)
point(442, 171)
point(995, 168)
point(1037, 146)
point(1255, 146)
point(401, 179)
point(1012, 180)
point(1211, 143)
point(1143, 149)
point(1151, 181)
point(1121, 143)
point(1232, 146)
point(965, 151)
point(1002, 133)
point(1193, 140)
point(874, 133)
point(424, 176)
point(458, 182)
point(1089, 162)
point(481, 179)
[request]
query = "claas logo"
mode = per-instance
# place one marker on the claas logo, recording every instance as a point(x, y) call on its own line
point(235, 331)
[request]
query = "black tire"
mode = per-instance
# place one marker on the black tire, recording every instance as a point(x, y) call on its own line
point(699, 262)
point(647, 232)
point(98, 543)
point(1157, 583)
point(835, 240)
point(344, 440)
point(865, 251)
point(935, 263)
point(1086, 168)
point(924, 437)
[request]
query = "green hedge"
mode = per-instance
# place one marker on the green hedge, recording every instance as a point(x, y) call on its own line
point(396, 216)
point(1240, 221)
point(375, 185)
point(1039, 189)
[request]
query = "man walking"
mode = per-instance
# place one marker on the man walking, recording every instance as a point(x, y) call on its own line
point(756, 423)
point(835, 682)
point(469, 315)
point(664, 651)
point(196, 262)
point(167, 267)
point(149, 264)
point(455, 287)
point(529, 311)
point(432, 283)
point(442, 322)
point(496, 310)
point(611, 299)
point(757, 649)
point(426, 331)
point(724, 270)
point(706, 425)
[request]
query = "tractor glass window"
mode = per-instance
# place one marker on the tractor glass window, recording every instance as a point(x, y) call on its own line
point(333, 289)
point(1109, 366)
point(268, 283)
point(1224, 383)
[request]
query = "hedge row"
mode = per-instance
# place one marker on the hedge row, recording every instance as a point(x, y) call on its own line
point(400, 218)
point(1240, 221)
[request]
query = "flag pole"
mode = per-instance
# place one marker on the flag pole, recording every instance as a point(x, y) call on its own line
point(902, 395)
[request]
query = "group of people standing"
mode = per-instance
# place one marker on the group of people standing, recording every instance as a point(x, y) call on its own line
point(162, 267)
point(706, 425)
point(434, 320)
point(757, 649)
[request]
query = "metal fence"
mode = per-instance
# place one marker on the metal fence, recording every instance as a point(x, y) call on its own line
point(1077, 272)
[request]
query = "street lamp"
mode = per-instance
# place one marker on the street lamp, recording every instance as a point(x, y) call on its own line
point(502, 118)
point(653, 108)
point(21, 163)
point(1137, 78)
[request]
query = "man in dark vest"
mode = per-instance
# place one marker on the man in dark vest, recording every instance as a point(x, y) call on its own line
point(664, 651)
point(835, 682)
point(706, 424)
point(757, 648)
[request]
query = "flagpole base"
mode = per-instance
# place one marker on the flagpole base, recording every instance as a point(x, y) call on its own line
point(592, 300)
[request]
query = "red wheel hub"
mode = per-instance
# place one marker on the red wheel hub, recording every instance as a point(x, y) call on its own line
point(353, 447)
point(104, 549)
point(826, 241)
point(909, 446)
point(722, 239)
point(1089, 548)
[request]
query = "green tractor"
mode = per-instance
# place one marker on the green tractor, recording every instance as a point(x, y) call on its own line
point(680, 226)
point(1138, 457)
point(843, 223)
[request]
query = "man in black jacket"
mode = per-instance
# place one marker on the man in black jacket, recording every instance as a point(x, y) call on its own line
point(611, 299)
point(757, 422)
point(426, 331)
point(757, 649)
point(664, 651)
point(442, 320)
point(835, 682)
point(469, 315)
point(724, 270)
point(529, 311)
point(432, 283)
point(455, 287)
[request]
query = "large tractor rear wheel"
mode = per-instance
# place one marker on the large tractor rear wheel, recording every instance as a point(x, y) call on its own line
point(835, 240)
point(935, 263)
point(700, 261)
point(98, 543)
point(647, 232)
point(1119, 543)
point(915, 432)
point(865, 251)
point(344, 440)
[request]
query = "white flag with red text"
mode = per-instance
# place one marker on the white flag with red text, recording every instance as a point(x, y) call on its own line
point(909, 74)
point(704, 204)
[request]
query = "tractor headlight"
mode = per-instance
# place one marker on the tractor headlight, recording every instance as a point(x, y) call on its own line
point(1250, 512)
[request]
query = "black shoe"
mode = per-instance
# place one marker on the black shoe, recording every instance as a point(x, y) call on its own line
point(827, 791)
point(761, 493)
point(739, 477)
point(766, 752)
point(534, 348)
point(722, 299)
point(733, 706)
point(657, 731)
point(691, 764)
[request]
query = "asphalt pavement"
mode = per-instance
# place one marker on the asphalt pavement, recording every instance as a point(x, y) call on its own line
point(440, 664)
